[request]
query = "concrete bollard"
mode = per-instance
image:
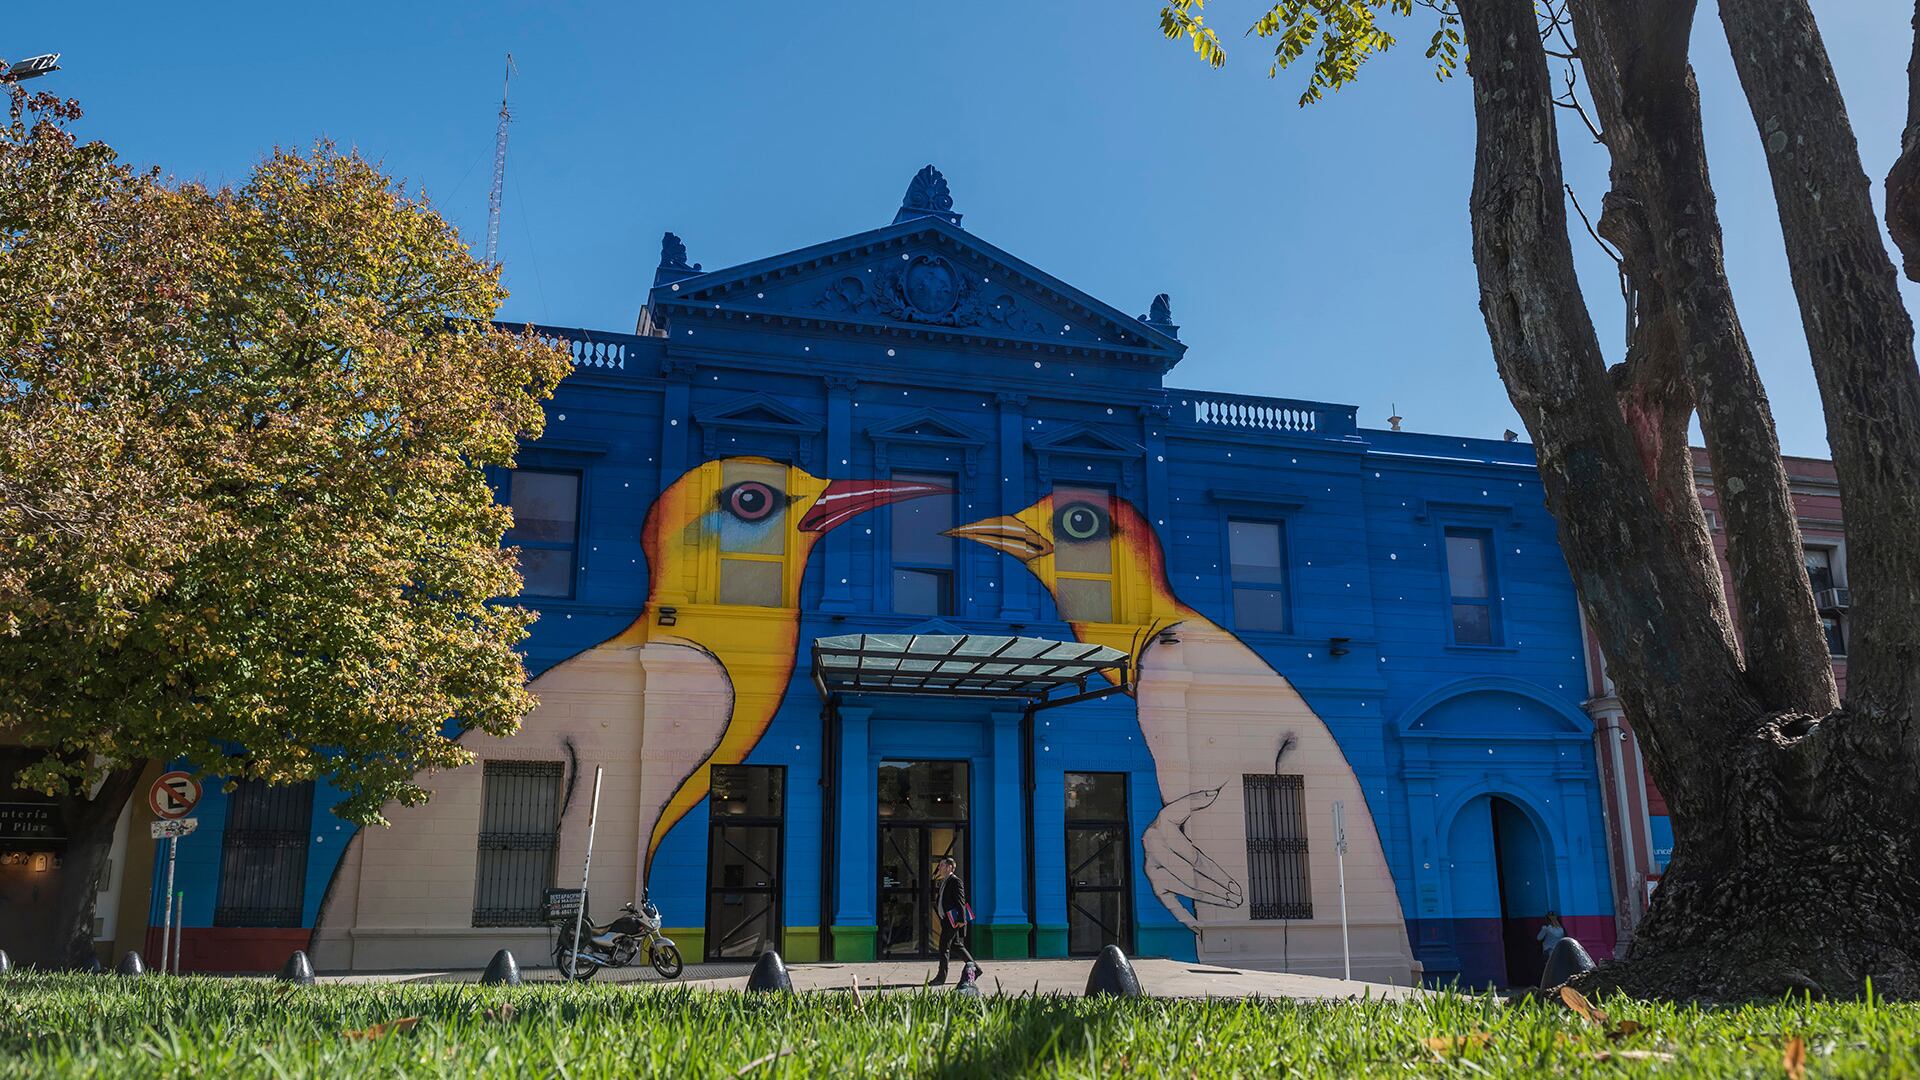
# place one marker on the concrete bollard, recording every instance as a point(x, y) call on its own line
point(131, 965)
point(770, 974)
point(1566, 960)
point(91, 965)
point(501, 971)
point(1112, 975)
point(297, 970)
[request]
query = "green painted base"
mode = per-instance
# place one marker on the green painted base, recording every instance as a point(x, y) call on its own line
point(853, 944)
point(1001, 941)
point(1050, 941)
point(800, 945)
point(690, 940)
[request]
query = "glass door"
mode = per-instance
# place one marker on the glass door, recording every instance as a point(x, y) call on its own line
point(1097, 864)
point(923, 817)
point(744, 840)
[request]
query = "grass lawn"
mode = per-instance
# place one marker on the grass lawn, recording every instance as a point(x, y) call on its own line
point(78, 1025)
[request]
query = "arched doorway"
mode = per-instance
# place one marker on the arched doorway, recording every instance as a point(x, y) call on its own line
point(1501, 893)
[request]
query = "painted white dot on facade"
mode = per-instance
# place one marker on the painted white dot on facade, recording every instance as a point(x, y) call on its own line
point(1036, 363)
point(1390, 556)
point(563, 416)
point(676, 288)
point(670, 423)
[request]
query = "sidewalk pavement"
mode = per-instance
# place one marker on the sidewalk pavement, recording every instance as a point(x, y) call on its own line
point(1158, 978)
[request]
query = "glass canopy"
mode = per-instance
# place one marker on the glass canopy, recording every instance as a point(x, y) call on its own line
point(967, 665)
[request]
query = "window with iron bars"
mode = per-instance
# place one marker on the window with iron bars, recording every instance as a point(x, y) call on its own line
point(1276, 807)
point(519, 833)
point(263, 855)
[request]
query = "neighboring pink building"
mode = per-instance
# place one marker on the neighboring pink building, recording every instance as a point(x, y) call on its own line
point(1639, 838)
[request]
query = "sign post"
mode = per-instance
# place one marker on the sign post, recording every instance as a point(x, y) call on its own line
point(171, 798)
point(1340, 853)
point(593, 816)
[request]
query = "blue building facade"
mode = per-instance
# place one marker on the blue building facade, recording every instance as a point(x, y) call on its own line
point(909, 447)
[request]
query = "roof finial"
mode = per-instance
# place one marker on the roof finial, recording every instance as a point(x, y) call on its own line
point(673, 261)
point(1394, 420)
point(927, 196)
point(1160, 316)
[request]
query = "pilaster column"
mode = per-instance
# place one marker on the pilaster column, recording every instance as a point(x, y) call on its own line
point(1016, 593)
point(854, 924)
point(676, 439)
point(836, 593)
point(1007, 921)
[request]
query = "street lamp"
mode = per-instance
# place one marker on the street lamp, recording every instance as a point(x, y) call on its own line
point(31, 68)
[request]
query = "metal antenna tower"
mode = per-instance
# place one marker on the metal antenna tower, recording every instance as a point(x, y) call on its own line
point(499, 170)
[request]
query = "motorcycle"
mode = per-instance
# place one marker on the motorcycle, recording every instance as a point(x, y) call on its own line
point(617, 944)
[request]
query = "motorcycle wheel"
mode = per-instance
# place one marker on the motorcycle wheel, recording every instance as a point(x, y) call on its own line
point(666, 961)
point(581, 972)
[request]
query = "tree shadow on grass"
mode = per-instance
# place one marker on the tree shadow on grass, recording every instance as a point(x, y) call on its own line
point(1043, 1029)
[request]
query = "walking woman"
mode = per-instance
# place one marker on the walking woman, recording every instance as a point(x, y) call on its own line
point(955, 917)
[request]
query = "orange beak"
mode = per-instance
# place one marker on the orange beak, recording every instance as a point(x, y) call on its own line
point(1008, 534)
point(845, 500)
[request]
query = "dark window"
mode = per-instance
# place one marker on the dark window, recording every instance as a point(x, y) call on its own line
point(546, 529)
point(747, 812)
point(1097, 866)
point(263, 855)
point(1836, 635)
point(1470, 583)
point(1277, 847)
point(519, 832)
point(1819, 568)
point(1257, 553)
point(922, 557)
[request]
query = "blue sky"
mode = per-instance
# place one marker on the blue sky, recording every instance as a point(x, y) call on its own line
point(1318, 253)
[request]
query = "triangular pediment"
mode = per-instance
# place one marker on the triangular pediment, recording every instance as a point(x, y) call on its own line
point(924, 276)
point(925, 426)
point(1084, 441)
point(757, 412)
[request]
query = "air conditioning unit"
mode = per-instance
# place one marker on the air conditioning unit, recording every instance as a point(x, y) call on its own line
point(1832, 599)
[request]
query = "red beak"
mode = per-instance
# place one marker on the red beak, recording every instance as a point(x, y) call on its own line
point(847, 499)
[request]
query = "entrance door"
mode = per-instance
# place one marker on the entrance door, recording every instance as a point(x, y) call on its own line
point(744, 841)
point(1520, 863)
point(923, 816)
point(1097, 864)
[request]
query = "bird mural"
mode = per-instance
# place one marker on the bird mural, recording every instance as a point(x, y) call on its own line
point(746, 525)
point(1210, 709)
point(693, 682)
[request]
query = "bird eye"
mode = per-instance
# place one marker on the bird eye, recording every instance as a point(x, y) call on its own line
point(749, 500)
point(1081, 521)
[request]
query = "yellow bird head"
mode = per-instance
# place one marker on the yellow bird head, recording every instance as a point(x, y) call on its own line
point(1093, 551)
point(753, 507)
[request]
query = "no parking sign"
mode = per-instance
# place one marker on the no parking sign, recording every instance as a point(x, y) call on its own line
point(173, 795)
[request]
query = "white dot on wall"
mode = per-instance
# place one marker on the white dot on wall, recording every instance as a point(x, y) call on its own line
point(676, 288)
point(1036, 363)
point(889, 352)
point(806, 348)
point(670, 423)
point(563, 416)
point(1160, 457)
point(763, 296)
point(1309, 656)
point(1391, 556)
point(626, 485)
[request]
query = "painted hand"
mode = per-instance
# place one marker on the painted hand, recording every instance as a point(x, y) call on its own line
point(1176, 867)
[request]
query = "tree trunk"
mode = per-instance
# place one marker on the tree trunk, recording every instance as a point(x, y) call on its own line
point(1858, 333)
point(90, 825)
point(1903, 180)
point(1634, 53)
point(1792, 866)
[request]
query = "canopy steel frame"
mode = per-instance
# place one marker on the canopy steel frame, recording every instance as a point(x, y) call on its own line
point(942, 666)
